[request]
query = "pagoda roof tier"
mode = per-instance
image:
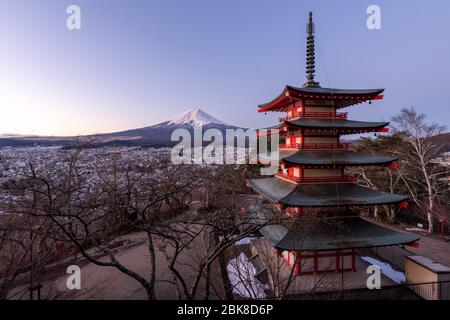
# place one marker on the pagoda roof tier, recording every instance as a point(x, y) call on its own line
point(340, 97)
point(332, 233)
point(321, 195)
point(324, 158)
point(335, 124)
point(343, 126)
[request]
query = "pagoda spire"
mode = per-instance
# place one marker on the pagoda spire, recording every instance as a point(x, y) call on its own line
point(310, 55)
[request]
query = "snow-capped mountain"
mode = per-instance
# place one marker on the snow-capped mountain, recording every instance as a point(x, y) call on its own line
point(195, 117)
point(155, 135)
point(160, 134)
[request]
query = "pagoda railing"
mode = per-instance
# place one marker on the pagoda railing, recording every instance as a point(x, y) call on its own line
point(340, 179)
point(316, 146)
point(320, 115)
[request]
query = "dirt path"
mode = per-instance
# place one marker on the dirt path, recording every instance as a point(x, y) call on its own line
point(109, 283)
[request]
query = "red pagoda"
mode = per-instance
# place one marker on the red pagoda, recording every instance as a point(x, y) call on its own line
point(313, 188)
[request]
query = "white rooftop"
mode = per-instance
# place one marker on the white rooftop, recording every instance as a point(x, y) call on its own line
point(430, 264)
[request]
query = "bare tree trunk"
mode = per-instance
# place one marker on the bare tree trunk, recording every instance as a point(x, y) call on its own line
point(430, 214)
point(151, 249)
point(227, 286)
point(207, 282)
point(430, 208)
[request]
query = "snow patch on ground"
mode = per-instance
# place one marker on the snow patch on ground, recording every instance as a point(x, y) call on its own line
point(243, 241)
point(242, 276)
point(386, 269)
point(415, 229)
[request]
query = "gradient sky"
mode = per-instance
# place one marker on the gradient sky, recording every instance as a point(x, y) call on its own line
point(136, 62)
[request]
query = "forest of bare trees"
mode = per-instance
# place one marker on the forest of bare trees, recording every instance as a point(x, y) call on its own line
point(56, 214)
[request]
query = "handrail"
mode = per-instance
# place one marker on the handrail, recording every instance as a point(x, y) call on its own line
point(315, 146)
point(326, 115)
point(340, 179)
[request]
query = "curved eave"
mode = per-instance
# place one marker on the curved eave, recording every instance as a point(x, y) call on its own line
point(325, 158)
point(322, 234)
point(340, 125)
point(282, 101)
point(341, 158)
point(342, 97)
point(321, 195)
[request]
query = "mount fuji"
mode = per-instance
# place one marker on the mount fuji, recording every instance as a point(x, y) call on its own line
point(157, 135)
point(196, 118)
point(160, 134)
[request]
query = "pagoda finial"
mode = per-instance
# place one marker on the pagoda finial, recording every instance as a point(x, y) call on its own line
point(310, 55)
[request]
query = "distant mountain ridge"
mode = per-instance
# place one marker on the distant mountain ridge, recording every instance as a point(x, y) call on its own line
point(158, 135)
point(444, 140)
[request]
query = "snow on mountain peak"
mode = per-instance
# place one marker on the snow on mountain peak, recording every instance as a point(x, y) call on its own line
point(195, 117)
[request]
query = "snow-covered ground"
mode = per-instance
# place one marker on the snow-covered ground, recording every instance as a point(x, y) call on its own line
point(386, 269)
point(243, 241)
point(415, 229)
point(242, 276)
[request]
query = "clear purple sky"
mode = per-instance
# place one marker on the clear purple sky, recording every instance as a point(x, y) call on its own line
point(136, 62)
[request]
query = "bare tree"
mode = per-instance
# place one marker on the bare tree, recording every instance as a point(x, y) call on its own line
point(80, 206)
point(88, 207)
point(203, 237)
point(424, 179)
point(382, 178)
point(391, 180)
point(14, 256)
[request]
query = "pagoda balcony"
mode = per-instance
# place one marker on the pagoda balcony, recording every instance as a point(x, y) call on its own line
point(316, 180)
point(318, 115)
point(316, 146)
